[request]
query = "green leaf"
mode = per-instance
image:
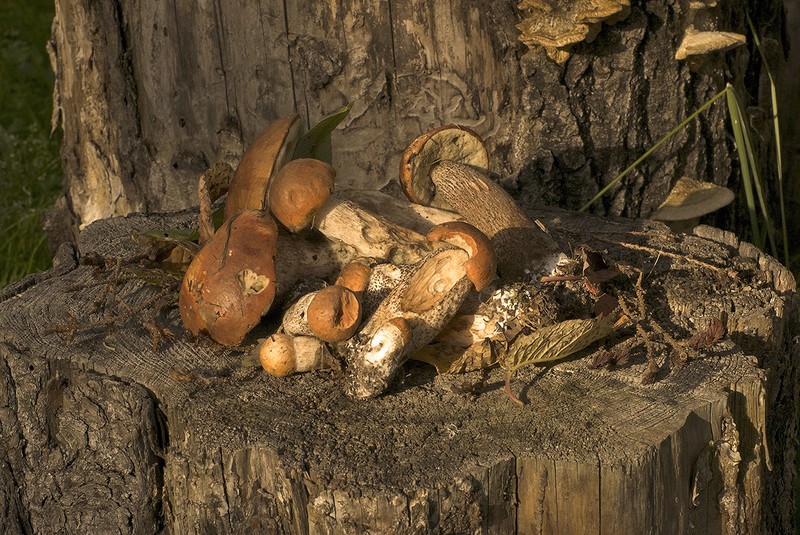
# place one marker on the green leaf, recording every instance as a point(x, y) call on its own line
point(316, 143)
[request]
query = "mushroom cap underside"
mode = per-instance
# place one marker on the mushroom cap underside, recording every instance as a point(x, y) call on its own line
point(452, 143)
point(691, 198)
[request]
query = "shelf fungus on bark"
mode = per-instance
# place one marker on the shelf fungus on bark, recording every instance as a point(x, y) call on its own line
point(271, 150)
point(556, 26)
point(698, 43)
point(433, 172)
point(230, 282)
point(301, 197)
point(425, 298)
point(689, 200)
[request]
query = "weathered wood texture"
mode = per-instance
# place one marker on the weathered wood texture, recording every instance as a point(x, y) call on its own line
point(151, 93)
point(105, 433)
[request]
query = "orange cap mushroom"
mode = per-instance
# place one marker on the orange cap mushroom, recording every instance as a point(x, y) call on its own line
point(482, 265)
point(273, 147)
point(230, 282)
point(299, 190)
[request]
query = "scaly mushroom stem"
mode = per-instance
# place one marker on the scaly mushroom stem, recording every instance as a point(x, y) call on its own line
point(421, 303)
point(518, 243)
point(415, 311)
point(300, 195)
point(370, 235)
point(417, 217)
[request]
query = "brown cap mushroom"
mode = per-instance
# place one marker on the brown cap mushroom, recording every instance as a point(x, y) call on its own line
point(282, 354)
point(299, 190)
point(230, 282)
point(273, 147)
point(355, 277)
point(482, 265)
point(520, 245)
point(332, 314)
point(451, 142)
point(689, 200)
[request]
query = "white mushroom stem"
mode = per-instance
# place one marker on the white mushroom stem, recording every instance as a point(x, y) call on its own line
point(423, 301)
point(413, 216)
point(282, 354)
point(372, 236)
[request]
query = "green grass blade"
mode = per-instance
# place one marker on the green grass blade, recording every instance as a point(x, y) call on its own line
point(316, 143)
point(652, 149)
point(757, 184)
point(737, 127)
point(777, 129)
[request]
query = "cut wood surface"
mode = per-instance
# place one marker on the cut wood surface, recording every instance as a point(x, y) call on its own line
point(106, 433)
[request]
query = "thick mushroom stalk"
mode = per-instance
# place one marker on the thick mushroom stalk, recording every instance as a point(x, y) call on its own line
point(230, 282)
point(426, 297)
point(300, 196)
point(430, 173)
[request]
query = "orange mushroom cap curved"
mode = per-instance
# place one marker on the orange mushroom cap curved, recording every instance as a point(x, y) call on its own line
point(482, 264)
point(299, 190)
point(273, 147)
point(334, 314)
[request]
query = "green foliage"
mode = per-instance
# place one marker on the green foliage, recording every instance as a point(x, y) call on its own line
point(30, 175)
point(755, 197)
point(316, 143)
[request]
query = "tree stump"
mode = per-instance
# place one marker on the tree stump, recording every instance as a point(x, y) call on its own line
point(104, 432)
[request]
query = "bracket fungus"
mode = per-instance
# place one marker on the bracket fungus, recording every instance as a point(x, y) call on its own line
point(697, 43)
point(431, 172)
point(230, 282)
point(558, 25)
point(689, 200)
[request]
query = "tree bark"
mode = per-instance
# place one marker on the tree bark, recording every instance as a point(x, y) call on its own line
point(107, 433)
point(151, 94)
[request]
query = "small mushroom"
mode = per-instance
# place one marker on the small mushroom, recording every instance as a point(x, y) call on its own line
point(230, 282)
point(689, 200)
point(274, 146)
point(355, 277)
point(300, 196)
point(428, 175)
point(282, 354)
point(424, 299)
point(332, 314)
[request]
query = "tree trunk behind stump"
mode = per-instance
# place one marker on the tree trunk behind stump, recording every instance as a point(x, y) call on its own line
point(103, 433)
point(150, 94)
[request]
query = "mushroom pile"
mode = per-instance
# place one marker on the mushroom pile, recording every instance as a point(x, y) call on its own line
point(396, 275)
